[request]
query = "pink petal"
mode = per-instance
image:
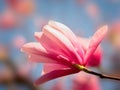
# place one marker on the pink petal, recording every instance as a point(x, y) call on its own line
point(54, 74)
point(34, 48)
point(51, 67)
point(37, 53)
point(95, 41)
point(62, 45)
point(47, 43)
point(69, 34)
point(64, 30)
point(40, 59)
point(59, 38)
point(84, 42)
point(54, 51)
point(96, 58)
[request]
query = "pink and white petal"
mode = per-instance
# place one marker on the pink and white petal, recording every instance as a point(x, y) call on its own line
point(40, 59)
point(34, 48)
point(94, 61)
point(54, 74)
point(56, 43)
point(95, 41)
point(47, 43)
point(68, 33)
point(38, 35)
point(84, 42)
point(60, 61)
point(80, 51)
point(53, 50)
point(51, 67)
point(59, 38)
point(96, 58)
point(64, 30)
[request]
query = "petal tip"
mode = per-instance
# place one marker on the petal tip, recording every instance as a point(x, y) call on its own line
point(23, 47)
point(54, 23)
point(36, 33)
point(105, 28)
point(46, 27)
point(51, 21)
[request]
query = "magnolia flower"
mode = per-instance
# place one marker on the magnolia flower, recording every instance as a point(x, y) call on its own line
point(19, 41)
point(84, 81)
point(59, 49)
point(8, 20)
point(23, 7)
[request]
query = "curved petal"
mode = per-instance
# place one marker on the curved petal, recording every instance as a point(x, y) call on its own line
point(48, 43)
point(62, 45)
point(64, 30)
point(34, 48)
point(95, 41)
point(40, 59)
point(37, 53)
point(84, 42)
point(54, 74)
point(51, 67)
point(96, 58)
point(59, 38)
point(69, 34)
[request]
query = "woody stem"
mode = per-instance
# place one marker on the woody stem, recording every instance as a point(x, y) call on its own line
point(82, 68)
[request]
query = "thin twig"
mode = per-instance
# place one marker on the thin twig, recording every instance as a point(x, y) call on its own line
point(82, 68)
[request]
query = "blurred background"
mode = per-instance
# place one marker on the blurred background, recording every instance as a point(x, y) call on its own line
point(19, 19)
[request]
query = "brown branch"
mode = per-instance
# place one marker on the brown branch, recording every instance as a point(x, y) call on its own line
point(82, 68)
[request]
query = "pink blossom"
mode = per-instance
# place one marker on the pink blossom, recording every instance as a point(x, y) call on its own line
point(59, 49)
point(19, 41)
point(93, 10)
point(8, 19)
point(59, 85)
point(84, 81)
point(23, 7)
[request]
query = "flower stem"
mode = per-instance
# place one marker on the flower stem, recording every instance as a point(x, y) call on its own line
point(82, 68)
